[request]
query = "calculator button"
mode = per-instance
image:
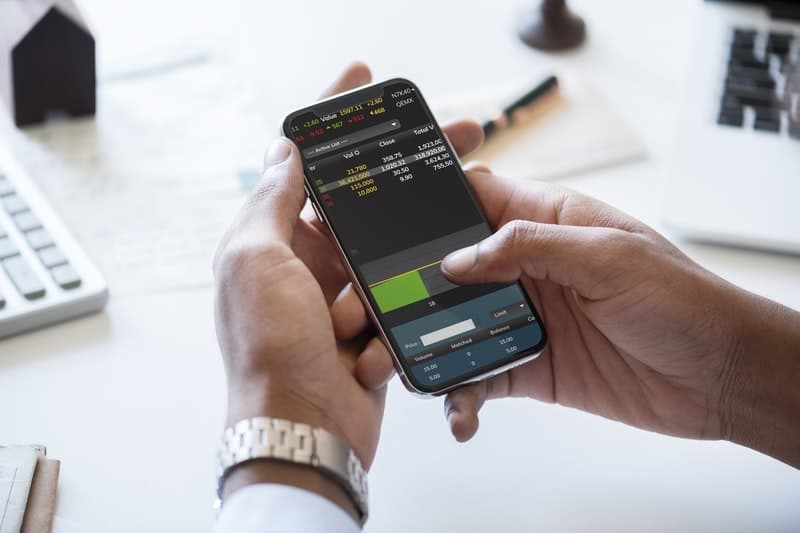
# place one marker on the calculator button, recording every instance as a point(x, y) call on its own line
point(52, 256)
point(23, 277)
point(14, 204)
point(5, 186)
point(39, 238)
point(66, 276)
point(7, 248)
point(27, 221)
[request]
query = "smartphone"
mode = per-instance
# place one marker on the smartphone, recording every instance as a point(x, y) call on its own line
point(383, 177)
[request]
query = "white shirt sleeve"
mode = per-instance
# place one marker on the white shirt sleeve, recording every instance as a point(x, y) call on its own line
point(274, 508)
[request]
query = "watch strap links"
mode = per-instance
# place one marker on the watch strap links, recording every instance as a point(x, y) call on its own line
point(274, 438)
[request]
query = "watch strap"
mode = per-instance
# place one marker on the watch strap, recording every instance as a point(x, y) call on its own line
point(274, 438)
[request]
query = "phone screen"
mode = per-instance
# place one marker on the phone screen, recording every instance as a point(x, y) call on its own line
point(395, 197)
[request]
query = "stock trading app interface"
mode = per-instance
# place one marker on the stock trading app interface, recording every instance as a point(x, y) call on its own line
point(393, 193)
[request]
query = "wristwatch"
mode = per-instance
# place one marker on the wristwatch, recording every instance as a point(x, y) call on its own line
point(265, 437)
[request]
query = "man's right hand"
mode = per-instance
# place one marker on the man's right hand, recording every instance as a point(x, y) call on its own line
point(637, 331)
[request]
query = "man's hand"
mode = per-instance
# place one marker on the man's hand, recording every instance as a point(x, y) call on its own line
point(278, 284)
point(276, 275)
point(637, 331)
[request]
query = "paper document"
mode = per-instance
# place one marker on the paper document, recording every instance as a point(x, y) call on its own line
point(149, 209)
point(63, 525)
point(17, 465)
point(577, 132)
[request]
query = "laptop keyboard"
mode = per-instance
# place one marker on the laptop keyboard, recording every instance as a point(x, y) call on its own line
point(762, 84)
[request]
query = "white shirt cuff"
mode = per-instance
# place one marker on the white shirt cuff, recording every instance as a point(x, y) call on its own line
point(274, 508)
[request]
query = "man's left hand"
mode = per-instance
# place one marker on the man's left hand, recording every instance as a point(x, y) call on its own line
point(284, 308)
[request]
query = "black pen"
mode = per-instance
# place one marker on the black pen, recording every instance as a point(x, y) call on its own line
point(506, 118)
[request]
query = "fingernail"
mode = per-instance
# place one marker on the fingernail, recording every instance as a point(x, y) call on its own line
point(278, 152)
point(460, 261)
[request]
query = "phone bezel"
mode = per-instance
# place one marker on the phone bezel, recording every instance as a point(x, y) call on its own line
point(355, 96)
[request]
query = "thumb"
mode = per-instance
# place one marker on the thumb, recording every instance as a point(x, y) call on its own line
point(583, 258)
point(276, 202)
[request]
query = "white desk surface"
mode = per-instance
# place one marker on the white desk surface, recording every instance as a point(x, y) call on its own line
point(132, 400)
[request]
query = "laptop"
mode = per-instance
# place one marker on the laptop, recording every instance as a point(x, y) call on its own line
point(735, 174)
